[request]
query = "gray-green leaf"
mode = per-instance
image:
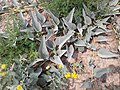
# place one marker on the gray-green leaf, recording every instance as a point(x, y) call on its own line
point(36, 25)
point(69, 18)
point(87, 19)
point(98, 72)
point(105, 53)
point(40, 17)
point(61, 40)
point(80, 43)
point(43, 49)
point(70, 51)
point(56, 20)
point(70, 26)
point(101, 39)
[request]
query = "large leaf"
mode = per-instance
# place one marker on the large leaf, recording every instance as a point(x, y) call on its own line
point(101, 39)
point(99, 31)
point(23, 21)
point(40, 17)
point(87, 19)
point(69, 18)
point(57, 60)
point(98, 72)
point(105, 53)
point(36, 25)
point(61, 40)
point(88, 12)
point(100, 23)
point(70, 26)
point(56, 20)
point(43, 52)
point(80, 43)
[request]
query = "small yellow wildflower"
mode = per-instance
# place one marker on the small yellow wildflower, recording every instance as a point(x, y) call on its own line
point(3, 73)
point(19, 87)
point(3, 66)
point(74, 75)
point(60, 66)
point(47, 67)
point(67, 75)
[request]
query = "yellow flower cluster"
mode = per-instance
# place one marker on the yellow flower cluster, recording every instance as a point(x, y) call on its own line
point(3, 66)
point(72, 75)
point(19, 87)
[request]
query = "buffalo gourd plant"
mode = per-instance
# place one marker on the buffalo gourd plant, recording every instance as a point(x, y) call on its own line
point(57, 38)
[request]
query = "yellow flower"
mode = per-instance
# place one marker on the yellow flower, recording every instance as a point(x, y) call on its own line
point(60, 66)
point(19, 87)
point(3, 73)
point(47, 67)
point(67, 75)
point(3, 66)
point(74, 75)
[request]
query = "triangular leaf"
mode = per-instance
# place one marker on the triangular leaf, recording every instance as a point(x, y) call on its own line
point(69, 18)
point(56, 20)
point(70, 26)
point(61, 40)
point(40, 17)
point(43, 52)
point(87, 19)
point(36, 25)
point(98, 72)
point(104, 53)
point(23, 21)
